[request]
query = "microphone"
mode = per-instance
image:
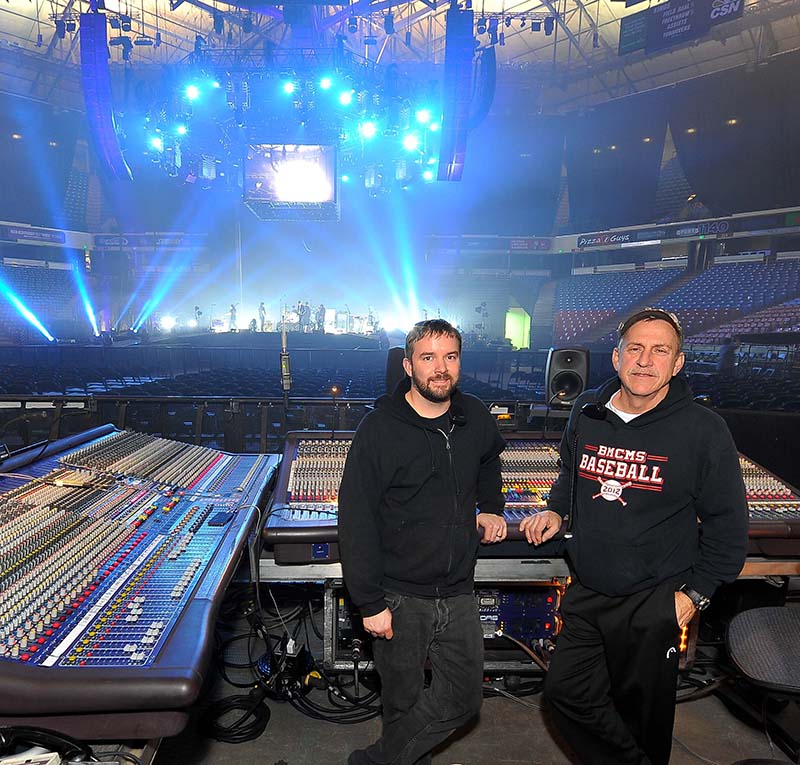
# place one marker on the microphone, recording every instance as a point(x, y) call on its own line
point(594, 411)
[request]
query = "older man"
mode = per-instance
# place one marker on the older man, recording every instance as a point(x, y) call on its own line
point(651, 483)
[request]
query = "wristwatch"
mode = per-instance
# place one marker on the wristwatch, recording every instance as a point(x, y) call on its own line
point(701, 602)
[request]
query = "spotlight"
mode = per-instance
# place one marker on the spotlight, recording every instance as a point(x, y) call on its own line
point(502, 39)
point(167, 323)
point(157, 42)
point(192, 92)
point(468, 5)
point(536, 26)
point(481, 26)
point(423, 116)
point(427, 175)
point(388, 23)
point(114, 21)
point(408, 38)
point(288, 88)
point(125, 22)
point(326, 83)
point(157, 143)
point(507, 21)
point(199, 44)
point(181, 130)
point(352, 25)
point(410, 142)
point(549, 25)
point(522, 22)
point(61, 29)
point(247, 24)
point(346, 97)
point(70, 25)
point(367, 130)
point(219, 23)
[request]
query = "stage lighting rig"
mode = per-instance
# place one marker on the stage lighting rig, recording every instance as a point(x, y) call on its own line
point(490, 23)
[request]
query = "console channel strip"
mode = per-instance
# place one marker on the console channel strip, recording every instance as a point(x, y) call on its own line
point(115, 551)
point(774, 508)
point(302, 522)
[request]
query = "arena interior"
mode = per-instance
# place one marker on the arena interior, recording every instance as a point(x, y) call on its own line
point(218, 221)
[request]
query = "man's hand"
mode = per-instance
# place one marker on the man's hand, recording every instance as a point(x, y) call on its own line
point(684, 609)
point(540, 527)
point(379, 625)
point(494, 527)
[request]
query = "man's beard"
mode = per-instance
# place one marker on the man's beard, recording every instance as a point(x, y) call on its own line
point(437, 395)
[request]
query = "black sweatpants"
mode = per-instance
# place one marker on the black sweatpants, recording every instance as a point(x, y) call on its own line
point(612, 680)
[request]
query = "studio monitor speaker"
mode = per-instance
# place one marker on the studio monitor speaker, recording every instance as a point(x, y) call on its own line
point(566, 375)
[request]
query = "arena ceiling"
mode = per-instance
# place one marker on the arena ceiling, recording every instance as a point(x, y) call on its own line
point(575, 66)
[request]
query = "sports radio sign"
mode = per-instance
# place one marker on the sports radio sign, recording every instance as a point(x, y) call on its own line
point(725, 10)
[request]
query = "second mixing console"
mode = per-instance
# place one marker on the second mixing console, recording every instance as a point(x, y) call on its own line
point(114, 554)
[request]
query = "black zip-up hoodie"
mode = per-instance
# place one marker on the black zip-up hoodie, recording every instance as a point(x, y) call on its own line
point(641, 489)
point(408, 496)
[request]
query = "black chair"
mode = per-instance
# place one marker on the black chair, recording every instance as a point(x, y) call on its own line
point(764, 646)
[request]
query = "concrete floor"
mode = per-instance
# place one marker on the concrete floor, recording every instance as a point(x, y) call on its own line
point(508, 733)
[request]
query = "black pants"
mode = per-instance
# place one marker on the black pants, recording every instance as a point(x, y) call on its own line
point(612, 680)
point(447, 632)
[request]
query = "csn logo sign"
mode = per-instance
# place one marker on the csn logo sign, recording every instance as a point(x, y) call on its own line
point(724, 10)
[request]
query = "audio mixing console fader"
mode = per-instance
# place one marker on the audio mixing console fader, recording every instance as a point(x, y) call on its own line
point(115, 551)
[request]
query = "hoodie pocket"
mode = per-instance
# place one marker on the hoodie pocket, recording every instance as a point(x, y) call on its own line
point(418, 552)
point(614, 567)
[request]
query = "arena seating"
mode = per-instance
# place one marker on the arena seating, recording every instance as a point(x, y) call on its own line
point(784, 317)
point(725, 292)
point(585, 300)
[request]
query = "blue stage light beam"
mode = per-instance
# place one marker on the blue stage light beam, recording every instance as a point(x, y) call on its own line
point(172, 274)
point(23, 310)
point(80, 284)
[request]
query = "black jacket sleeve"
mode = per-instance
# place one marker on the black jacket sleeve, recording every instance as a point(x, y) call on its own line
point(722, 511)
point(359, 535)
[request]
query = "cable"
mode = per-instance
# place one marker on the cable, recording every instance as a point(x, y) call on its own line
point(536, 658)
point(693, 753)
point(253, 710)
point(130, 756)
point(512, 697)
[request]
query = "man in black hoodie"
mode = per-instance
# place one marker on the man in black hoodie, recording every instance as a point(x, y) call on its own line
point(651, 484)
point(418, 467)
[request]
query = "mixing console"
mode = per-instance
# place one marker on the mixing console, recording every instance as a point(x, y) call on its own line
point(113, 559)
point(302, 522)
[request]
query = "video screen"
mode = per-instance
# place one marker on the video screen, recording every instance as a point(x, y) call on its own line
point(288, 174)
